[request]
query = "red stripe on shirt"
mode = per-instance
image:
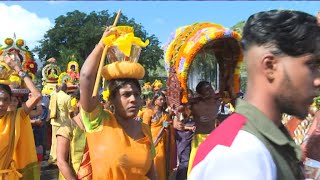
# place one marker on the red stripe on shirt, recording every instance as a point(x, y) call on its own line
point(224, 135)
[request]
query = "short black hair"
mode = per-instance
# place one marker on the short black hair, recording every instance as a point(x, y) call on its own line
point(291, 33)
point(6, 88)
point(63, 87)
point(156, 96)
point(76, 94)
point(201, 84)
point(116, 84)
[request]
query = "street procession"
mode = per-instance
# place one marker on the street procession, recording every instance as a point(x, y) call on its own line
point(98, 97)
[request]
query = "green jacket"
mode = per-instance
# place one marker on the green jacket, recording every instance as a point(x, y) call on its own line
point(285, 153)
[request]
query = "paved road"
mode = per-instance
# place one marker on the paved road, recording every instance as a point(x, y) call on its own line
point(48, 174)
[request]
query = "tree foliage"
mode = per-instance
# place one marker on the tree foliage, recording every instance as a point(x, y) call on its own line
point(243, 72)
point(77, 33)
point(238, 27)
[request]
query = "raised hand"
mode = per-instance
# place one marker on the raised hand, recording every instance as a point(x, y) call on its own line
point(190, 128)
point(108, 32)
point(179, 125)
point(11, 63)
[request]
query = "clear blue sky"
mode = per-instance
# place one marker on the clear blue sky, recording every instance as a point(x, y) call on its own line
point(163, 17)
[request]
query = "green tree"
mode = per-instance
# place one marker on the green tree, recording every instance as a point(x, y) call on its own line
point(243, 72)
point(238, 27)
point(159, 73)
point(243, 77)
point(76, 34)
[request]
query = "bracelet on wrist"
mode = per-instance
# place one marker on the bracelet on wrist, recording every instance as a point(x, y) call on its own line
point(22, 74)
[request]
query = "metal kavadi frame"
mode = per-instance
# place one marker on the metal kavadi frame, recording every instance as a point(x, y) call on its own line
point(186, 42)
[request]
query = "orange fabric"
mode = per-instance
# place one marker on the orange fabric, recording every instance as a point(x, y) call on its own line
point(85, 169)
point(141, 112)
point(24, 141)
point(23, 152)
point(7, 138)
point(161, 158)
point(114, 155)
point(79, 158)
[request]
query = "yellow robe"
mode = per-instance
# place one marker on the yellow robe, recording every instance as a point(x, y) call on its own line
point(162, 166)
point(195, 143)
point(79, 153)
point(113, 154)
point(18, 156)
point(141, 112)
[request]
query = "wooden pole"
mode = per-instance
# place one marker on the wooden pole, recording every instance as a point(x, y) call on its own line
point(117, 18)
point(97, 82)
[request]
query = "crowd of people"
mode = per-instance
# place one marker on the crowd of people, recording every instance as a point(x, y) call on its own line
point(131, 135)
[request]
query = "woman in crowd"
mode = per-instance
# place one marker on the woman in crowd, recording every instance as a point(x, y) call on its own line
point(120, 147)
point(15, 103)
point(73, 158)
point(158, 119)
point(38, 117)
point(147, 95)
point(184, 127)
point(18, 157)
point(146, 104)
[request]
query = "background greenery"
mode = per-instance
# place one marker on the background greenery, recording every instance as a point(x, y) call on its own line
point(76, 34)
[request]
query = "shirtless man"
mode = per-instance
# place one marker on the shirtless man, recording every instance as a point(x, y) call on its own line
point(205, 108)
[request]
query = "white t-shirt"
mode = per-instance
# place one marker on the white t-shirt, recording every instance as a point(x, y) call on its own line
point(246, 159)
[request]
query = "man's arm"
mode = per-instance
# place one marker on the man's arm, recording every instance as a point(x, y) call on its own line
point(63, 148)
point(88, 76)
point(35, 93)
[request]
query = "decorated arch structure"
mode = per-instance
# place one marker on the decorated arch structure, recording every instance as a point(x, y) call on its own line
point(53, 76)
point(183, 46)
point(19, 52)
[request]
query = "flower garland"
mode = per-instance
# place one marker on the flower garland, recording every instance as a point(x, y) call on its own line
point(176, 45)
point(106, 94)
point(63, 78)
point(236, 78)
point(182, 50)
point(184, 59)
point(168, 48)
point(76, 66)
point(193, 30)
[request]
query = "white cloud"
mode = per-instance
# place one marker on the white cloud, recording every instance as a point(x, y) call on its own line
point(54, 2)
point(26, 25)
